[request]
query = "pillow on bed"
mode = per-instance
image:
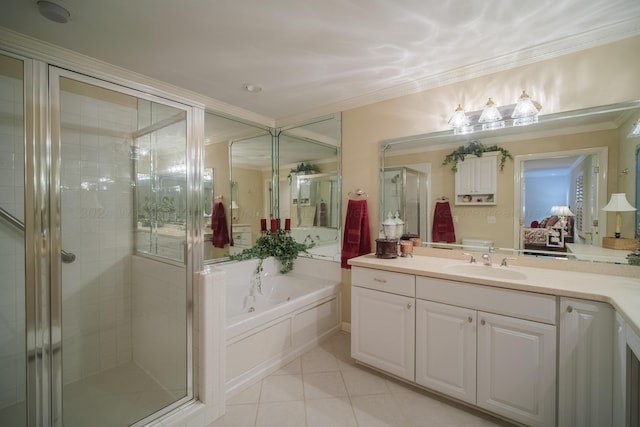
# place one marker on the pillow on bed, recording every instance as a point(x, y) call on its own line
point(543, 223)
point(552, 221)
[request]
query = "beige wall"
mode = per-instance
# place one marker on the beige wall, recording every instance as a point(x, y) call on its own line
point(598, 76)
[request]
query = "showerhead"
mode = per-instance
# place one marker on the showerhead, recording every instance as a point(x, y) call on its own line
point(395, 179)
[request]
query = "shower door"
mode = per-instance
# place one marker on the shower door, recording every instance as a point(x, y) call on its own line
point(119, 316)
point(13, 346)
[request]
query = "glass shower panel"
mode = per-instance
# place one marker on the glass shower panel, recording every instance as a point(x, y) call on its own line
point(12, 247)
point(124, 316)
point(161, 181)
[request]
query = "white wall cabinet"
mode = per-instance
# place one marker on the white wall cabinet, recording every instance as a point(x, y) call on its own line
point(476, 180)
point(383, 322)
point(517, 368)
point(446, 349)
point(585, 363)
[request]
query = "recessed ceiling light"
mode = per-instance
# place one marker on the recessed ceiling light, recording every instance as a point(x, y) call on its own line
point(253, 88)
point(54, 11)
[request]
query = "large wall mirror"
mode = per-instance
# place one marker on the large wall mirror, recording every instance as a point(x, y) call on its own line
point(263, 173)
point(309, 184)
point(229, 202)
point(574, 160)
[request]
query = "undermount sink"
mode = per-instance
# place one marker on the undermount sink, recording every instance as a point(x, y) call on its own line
point(486, 271)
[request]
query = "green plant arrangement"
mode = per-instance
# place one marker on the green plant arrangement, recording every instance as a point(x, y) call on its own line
point(634, 257)
point(477, 149)
point(278, 244)
point(304, 169)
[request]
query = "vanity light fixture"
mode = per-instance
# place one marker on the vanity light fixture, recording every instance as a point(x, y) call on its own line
point(635, 130)
point(491, 117)
point(460, 122)
point(526, 111)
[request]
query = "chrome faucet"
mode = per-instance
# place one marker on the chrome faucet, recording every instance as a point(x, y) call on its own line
point(504, 261)
point(486, 259)
point(472, 259)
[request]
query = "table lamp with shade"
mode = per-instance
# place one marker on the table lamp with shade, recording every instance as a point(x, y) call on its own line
point(618, 204)
point(562, 212)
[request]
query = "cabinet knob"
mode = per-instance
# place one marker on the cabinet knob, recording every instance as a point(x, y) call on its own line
point(569, 309)
point(482, 322)
point(470, 319)
point(409, 306)
point(375, 279)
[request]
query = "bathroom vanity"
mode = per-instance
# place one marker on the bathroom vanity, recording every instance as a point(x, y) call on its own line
point(514, 341)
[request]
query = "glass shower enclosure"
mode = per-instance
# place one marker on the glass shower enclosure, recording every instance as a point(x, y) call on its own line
point(405, 192)
point(95, 319)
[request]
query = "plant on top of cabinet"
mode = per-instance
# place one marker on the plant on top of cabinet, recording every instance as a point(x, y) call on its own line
point(477, 149)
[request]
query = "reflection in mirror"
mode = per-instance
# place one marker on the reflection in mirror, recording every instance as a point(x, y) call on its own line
point(405, 190)
point(159, 160)
point(575, 159)
point(251, 194)
point(219, 133)
point(309, 185)
point(207, 189)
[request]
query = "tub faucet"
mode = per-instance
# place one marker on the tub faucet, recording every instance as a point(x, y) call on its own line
point(486, 259)
point(308, 239)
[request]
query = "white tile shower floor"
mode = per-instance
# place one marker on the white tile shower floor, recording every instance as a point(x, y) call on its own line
point(114, 398)
point(325, 388)
point(117, 397)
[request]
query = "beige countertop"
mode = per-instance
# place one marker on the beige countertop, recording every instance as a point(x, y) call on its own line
point(622, 292)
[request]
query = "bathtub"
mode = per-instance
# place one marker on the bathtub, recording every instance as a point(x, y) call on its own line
point(273, 320)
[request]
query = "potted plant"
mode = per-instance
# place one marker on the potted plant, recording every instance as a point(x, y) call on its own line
point(278, 244)
point(477, 149)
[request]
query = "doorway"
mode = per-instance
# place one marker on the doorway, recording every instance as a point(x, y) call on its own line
point(546, 182)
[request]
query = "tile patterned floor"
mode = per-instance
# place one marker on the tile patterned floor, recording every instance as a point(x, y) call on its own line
point(324, 388)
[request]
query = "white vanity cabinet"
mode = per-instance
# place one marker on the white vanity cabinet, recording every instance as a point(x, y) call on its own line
point(585, 364)
point(446, 349)
point(495, 348)
point(383, 320)
point(517, 368)
point(476, 180)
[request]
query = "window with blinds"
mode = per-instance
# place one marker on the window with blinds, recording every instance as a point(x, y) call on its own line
point(579, 208)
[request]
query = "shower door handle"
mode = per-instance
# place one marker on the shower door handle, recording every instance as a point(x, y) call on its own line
point(67, 257)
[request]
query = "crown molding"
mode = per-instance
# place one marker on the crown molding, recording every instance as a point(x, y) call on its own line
point(545, 51)
point(32, 48)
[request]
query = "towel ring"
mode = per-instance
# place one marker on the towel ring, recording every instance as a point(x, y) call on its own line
point(357, 193)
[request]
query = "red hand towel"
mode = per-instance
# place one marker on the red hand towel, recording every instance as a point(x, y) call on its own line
point(356, 240)
point(442, 230)
point(219, 225)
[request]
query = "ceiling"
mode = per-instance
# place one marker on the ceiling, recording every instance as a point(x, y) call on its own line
point(318, 57)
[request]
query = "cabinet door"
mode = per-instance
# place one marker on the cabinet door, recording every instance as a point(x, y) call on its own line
point(465, 177)
point(485, 175)
point(619, 408)
point(383, 331)
point(446, 349)
point(517, 368)
point(585, 367)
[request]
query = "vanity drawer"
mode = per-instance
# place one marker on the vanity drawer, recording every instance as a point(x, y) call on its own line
point(386, 281)
point(523, 305)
